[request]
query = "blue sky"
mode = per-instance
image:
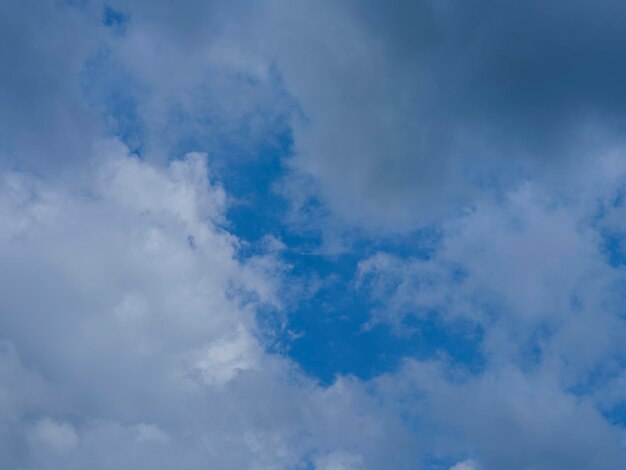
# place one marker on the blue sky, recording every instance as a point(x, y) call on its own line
point(312, 235)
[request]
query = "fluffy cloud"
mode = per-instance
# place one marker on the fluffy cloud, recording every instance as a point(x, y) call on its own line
point(511, 419)
point(130, 335)
point(126, 299)
point(532, 254)
point(465, 465)
point(533, 273)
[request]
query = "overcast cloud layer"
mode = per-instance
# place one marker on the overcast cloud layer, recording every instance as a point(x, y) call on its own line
point(323, 235)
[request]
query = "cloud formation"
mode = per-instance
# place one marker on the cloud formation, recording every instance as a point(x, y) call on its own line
point(533, 274)
point(142, 326)
point(413, 107)
point(125, 295)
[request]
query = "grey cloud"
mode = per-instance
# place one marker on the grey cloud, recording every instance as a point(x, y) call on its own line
point(173, 80)
point(44, 121)
point(414, 106)
point(400, 114)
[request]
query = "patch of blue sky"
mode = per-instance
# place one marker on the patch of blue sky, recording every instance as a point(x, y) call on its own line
point(329, 332)
point(532, 348)
point(611, 239)
point(598, 377)
point(616, 415)
point(336, 338)
point(257, 209)
point(605, 375)
point(237, 140)
point(613, 247)
point(115, 19)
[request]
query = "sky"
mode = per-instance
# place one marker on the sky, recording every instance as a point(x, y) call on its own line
point(321, 235)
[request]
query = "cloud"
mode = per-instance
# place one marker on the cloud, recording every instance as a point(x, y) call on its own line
point(59, 437)
point(507, 417)
point(465, 465)
point(222, 98)
point(528, 259)
point(130, 329)
point(413, 109)
point(146, 346)
point(531, 271)
point(339, 461)
point(45, 124)
point(59, 95)
point(398, 117)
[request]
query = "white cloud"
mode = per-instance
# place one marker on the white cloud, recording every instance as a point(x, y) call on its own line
point(508, 417)
point(146, 346)
point(224, 359)
point(129, 319)
point(527, 263)
point(532, 272)
point(465, 465)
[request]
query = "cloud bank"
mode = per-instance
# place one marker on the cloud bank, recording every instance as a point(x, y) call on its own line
point(137, 339)
point(445, 177)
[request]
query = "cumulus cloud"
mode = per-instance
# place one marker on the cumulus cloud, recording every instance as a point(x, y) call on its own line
point(130, 335)
point(465, 465)
point(146, 345)
point(512, 419)
point(531, 271)
point(531, 256)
